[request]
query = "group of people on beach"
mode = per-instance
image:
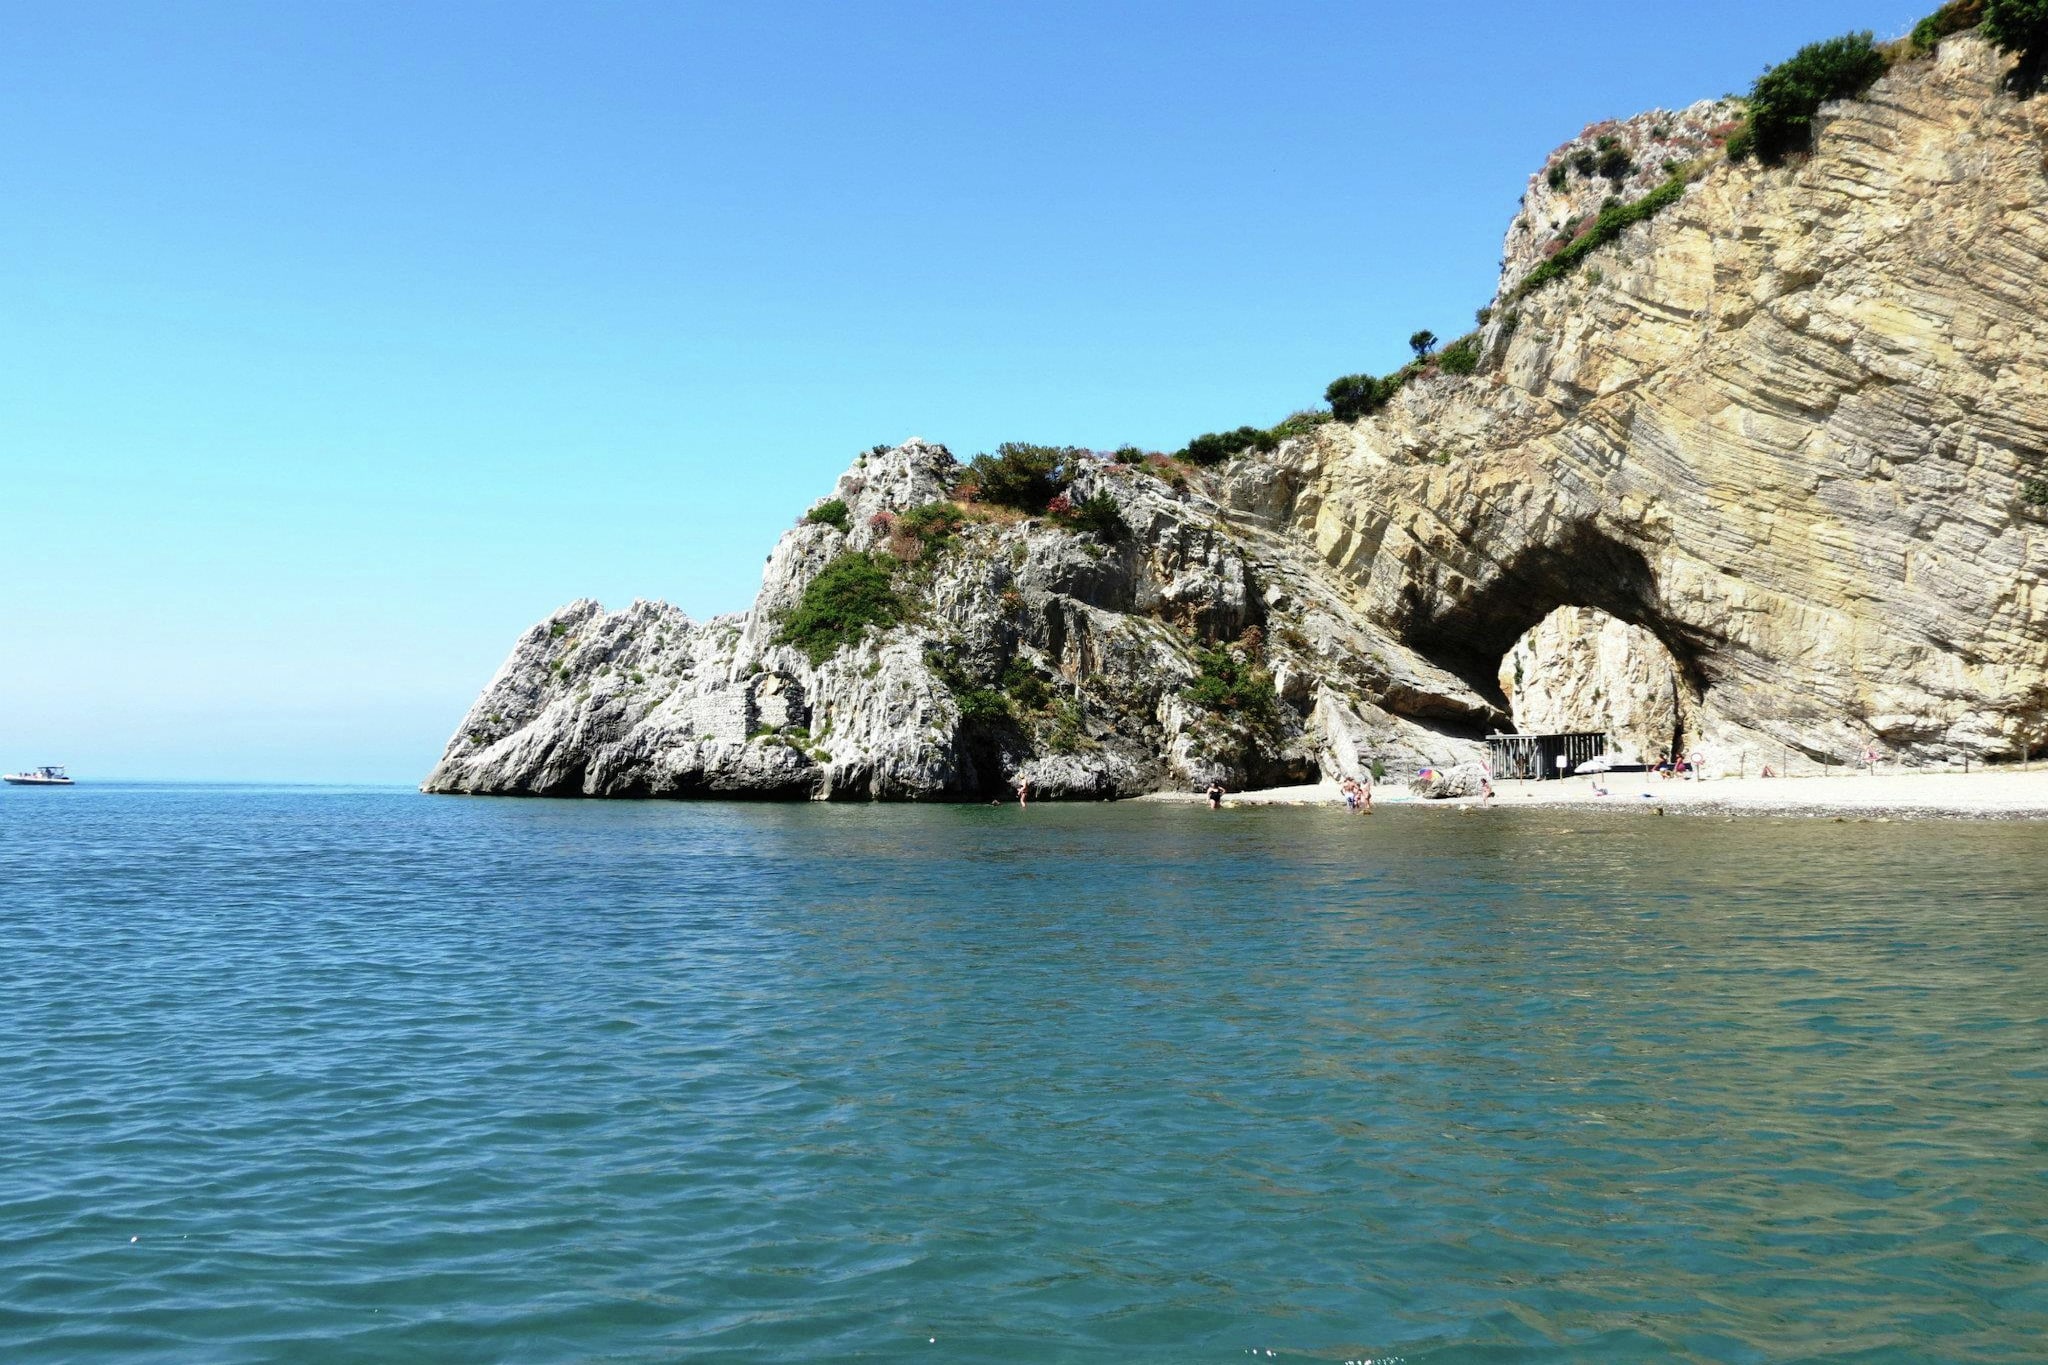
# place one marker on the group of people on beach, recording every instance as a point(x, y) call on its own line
point(1670, 765)
point(1357, 795)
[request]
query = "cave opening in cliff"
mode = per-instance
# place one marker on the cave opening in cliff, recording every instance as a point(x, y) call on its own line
point(1578, 618)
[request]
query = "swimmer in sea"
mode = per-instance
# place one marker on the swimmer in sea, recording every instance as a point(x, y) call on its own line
point(1215, 795)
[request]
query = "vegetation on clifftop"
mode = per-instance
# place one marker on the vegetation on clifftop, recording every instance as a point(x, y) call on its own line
point(1217, 446)
point(1785, 98)
point(2019, 26)
point(1609, 224)
point(848, 595)
point(1020, 475)
point(1950, 18)
point(831, 512)
point(1038, 480)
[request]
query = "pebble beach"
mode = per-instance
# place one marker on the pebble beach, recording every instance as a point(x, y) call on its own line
point(1978, 795)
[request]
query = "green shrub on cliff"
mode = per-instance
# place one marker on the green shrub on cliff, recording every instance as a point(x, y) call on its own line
point(1228, 684)
point(931, 522)
point(1614, 220)
point(1217, 446)
point(1099, 515)
point(982, 706)
point(1461, 356)
point(1954, 17)
point(917, 535)
point(831, 512)
point(1299, 423)
point(1022, 684)
point(1352, 396)
point(1784, 99)
point(2020, 26)
point(848, 595)
point(1360, 395)
point(1023, 476)
point(983, 703)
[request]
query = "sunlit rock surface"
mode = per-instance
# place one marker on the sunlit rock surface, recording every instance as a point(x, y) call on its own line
point(1787, 428)
point(1583, 670)
point(646, 702)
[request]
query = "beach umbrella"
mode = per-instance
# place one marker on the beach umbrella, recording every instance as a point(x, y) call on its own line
point(1599, 764)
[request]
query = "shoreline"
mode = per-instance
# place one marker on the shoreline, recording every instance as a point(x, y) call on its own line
point(2007, 795)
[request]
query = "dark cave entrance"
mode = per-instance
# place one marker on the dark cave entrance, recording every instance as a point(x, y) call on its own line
point(1472, 633)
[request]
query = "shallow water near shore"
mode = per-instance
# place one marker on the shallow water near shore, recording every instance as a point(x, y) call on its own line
point(353, 1074)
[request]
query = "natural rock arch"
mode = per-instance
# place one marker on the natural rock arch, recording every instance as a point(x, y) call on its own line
point(1471, 626)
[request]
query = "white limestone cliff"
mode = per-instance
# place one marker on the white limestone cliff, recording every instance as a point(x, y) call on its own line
point(646, 702)
point(1794, 429)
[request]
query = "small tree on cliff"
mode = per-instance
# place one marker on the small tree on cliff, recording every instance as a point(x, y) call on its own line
point(1422, 343)
point(2020, 26)
point(1022, 475)
point(1784, 99)
point(1954, 17)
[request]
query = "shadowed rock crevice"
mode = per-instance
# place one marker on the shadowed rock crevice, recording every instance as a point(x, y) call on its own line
point(1470, 632)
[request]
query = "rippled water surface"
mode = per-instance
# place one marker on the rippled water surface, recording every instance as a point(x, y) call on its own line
point(350, 1075)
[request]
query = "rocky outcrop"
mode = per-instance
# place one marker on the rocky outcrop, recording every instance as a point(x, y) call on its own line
point(1578, 179)
point(1440, 784)
point(1789, 427)
point(1795, 428)
point(1581, 669)
point(1030, 651)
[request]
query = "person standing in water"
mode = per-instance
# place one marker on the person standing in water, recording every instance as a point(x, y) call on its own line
point(1215, 794)
point(1023, 790)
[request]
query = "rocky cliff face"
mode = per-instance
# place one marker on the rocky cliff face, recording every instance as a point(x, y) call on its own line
point(1617, 159)
point(1787, 428)
point(1030, 651)
point(1581, 670)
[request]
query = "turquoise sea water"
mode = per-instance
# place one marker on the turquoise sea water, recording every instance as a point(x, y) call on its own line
point(321, 1075)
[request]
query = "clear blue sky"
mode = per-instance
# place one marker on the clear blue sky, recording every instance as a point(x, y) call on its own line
point(343, 341)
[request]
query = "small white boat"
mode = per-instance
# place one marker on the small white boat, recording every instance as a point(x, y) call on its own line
point(49, 775)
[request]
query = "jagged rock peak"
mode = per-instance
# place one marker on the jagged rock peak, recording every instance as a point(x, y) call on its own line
point(1614, 159)
point(1027, 647)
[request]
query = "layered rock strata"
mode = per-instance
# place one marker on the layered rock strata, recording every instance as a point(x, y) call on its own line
point(1795, 428)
